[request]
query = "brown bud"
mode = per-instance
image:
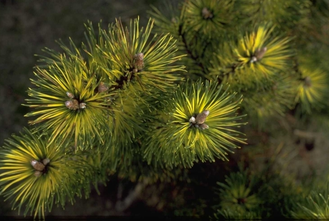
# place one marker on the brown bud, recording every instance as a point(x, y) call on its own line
point(102, 87)
point(139, 61)
point(206, 13)
point(82, 105)
point(37, 165)
point(192, 120)
point(201, 118)
point(203, 126)
point(37, 173)
point(307, 82)
point(70, 95)
point(72, 104)
point(45, 161)
point(259, 54)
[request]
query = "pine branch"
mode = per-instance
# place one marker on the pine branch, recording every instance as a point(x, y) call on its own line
point(134, 194)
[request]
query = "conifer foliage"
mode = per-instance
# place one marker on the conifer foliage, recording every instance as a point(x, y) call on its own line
point(149, 102)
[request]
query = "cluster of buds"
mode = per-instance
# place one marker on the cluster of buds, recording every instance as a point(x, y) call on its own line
point(102, 87)
point(199, 120)
point(307, 82)
point(138, 62)
point(39, 167)
point(73, 104)
point(206, 14)
point(259, 54)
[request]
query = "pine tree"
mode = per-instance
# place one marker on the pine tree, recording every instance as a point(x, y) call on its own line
point(155, 104)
